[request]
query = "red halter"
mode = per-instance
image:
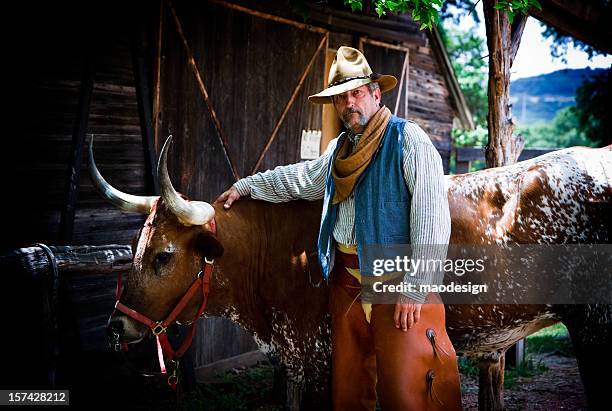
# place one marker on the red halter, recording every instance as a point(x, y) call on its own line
point(158, 328)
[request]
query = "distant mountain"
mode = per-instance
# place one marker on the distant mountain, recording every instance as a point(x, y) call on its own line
point(537, 99)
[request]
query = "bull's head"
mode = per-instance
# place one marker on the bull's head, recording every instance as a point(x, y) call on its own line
point(169, 250)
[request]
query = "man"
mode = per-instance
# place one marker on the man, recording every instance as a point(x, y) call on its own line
point(382, 183)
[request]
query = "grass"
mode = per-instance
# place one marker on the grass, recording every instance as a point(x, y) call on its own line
point(554, 339)
point(525, 369)
point(248, 389)
point(251, 388)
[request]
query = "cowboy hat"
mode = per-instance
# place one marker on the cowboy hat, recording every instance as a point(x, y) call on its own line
point(350, 70)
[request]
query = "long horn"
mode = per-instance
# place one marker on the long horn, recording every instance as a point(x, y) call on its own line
point(124, 201)
point(187, 212)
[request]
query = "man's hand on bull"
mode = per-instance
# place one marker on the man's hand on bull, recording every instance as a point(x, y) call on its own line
point(407, 312)
point(228, 197)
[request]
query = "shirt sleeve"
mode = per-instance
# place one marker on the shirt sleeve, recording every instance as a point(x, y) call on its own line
point(304, 180)
point(430, 223)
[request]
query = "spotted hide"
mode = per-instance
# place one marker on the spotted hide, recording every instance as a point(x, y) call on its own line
point(268, 280)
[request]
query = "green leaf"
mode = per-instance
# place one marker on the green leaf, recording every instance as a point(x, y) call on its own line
point(536, 4)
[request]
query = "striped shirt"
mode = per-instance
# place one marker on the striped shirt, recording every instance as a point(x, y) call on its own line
point(424, 176)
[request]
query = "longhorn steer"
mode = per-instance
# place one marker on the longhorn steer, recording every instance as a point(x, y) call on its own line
point(267, 279)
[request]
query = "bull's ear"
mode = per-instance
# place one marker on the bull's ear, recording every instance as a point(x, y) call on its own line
point(208, 245)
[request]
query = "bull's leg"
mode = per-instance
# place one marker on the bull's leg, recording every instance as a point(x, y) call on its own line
point(590, 328)
point(491, 382)
point(313, 394)
point(285, 391)
point(317, 392)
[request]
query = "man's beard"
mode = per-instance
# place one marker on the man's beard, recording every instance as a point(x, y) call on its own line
point(347, 112)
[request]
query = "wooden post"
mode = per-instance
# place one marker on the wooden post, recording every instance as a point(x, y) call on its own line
point(143, 96)
point(76, 152)
point(503, 149)
point(157, 77)
point(515, 355)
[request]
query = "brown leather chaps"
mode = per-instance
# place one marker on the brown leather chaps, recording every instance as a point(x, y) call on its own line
point(414, 370)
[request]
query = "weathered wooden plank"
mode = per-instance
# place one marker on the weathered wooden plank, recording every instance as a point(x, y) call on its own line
point(70, 259)
point(207, 373)
point(477, 153)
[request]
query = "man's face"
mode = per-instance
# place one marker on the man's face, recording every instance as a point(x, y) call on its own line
point(355, 107)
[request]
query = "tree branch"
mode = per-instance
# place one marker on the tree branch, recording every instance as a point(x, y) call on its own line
point(518, 25)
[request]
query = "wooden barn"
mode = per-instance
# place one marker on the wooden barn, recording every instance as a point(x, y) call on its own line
point(229, 80)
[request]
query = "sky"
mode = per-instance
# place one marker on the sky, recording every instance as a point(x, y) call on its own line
point(533, 57)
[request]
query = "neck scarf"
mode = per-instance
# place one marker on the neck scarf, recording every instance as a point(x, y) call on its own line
point(348, 166)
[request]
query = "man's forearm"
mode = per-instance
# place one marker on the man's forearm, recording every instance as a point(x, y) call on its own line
point(291, 182)
point(429, 214)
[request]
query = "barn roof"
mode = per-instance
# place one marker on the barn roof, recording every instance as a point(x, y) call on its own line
point(401, 27)
point(588, 21)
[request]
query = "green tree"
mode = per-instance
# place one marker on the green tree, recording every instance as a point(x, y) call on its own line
point(466, 50)
point(426, 11)
point(593, 102)
point(563, 131)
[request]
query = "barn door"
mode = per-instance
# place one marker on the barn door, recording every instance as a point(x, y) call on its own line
point(236, 102)
point(232, 89)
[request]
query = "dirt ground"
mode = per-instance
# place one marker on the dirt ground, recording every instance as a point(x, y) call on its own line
point(558, 388)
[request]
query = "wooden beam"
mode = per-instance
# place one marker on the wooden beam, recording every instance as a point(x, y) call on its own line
point(478, 153)
point(328, 18)
point(386, 45)
point(76, 152)
point(439, 50)
point(210, 372)
point(81, 260)
point(518, 26)
point(143, 97)
point(267, 16)
point(289, 103)
point(401, 85)
point(331, 21)
point(196, 71)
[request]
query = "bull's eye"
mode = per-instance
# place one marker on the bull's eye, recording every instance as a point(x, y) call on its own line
point(161, 259)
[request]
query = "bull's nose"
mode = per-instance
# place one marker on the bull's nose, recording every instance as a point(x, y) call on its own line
point(114, 328)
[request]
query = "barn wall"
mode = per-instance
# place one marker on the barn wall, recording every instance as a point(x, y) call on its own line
point(429, 98)
point(250, 73)
point(43, 143)
point(49, 56)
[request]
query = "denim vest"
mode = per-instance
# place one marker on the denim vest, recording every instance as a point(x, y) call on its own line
point(382, 201)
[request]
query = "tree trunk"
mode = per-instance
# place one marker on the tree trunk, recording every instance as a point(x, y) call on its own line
point(502, 40)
